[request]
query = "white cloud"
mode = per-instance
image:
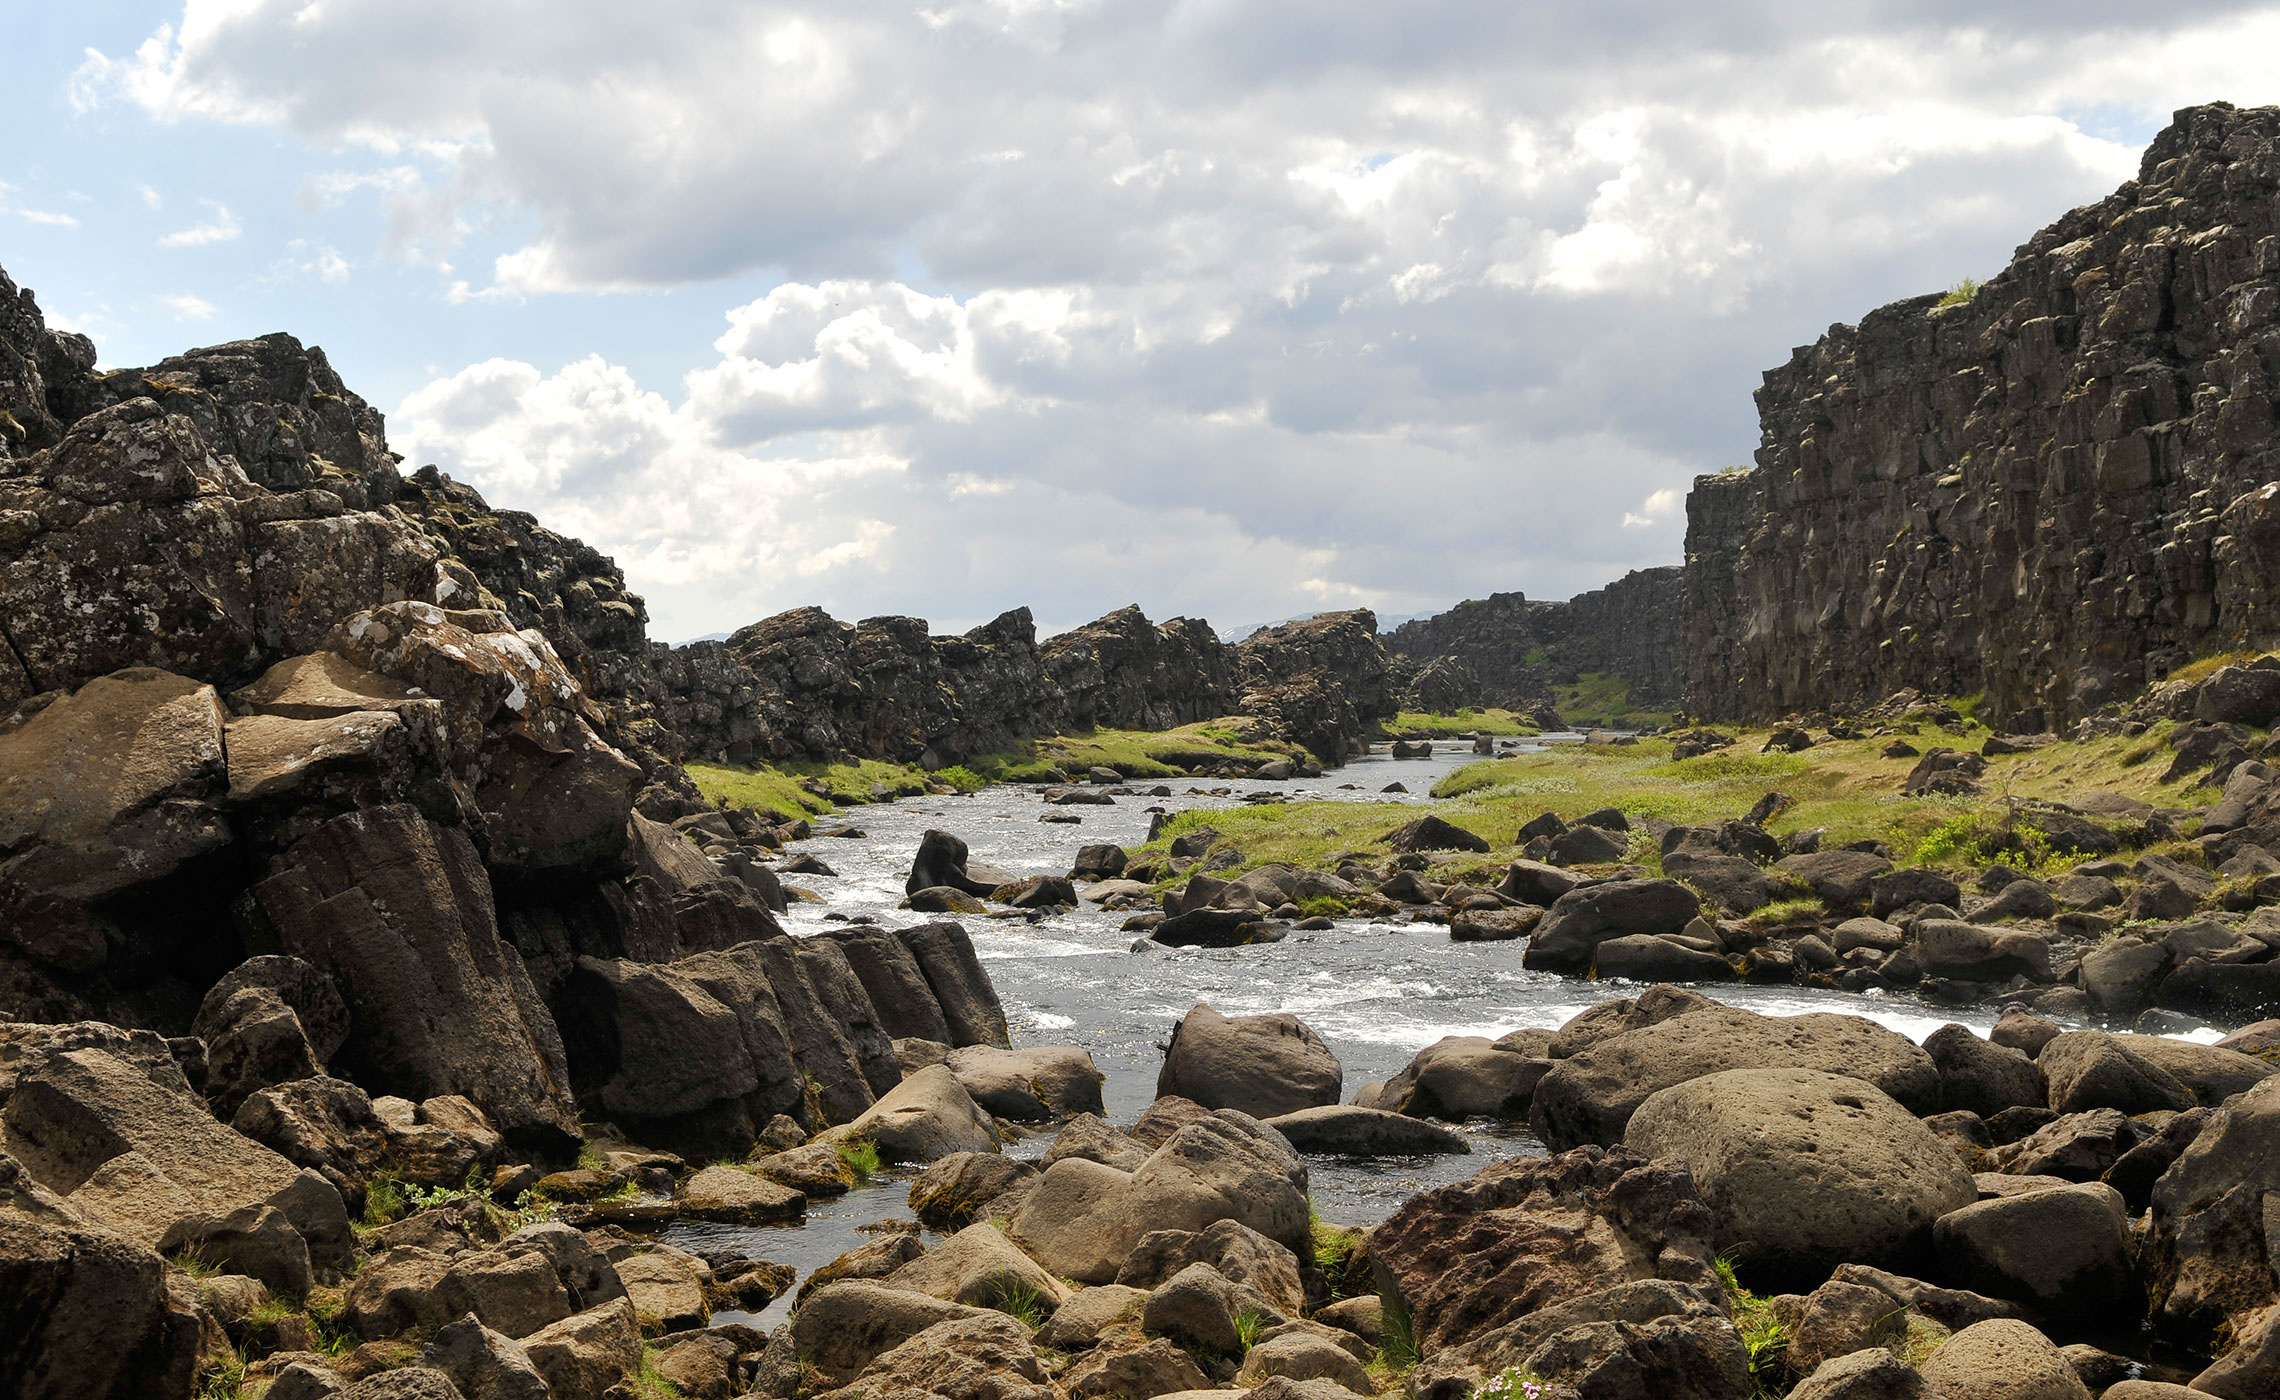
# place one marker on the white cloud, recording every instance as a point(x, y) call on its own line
point(303, 259)
point(1654, 510)
point(1217, 307)
point(43, 216)
point(219, 229)
point(187, 307)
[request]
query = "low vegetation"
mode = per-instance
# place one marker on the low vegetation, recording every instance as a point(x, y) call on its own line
point(1415, 724)
point(1600, 700)
point(1846, 787)
point(800, 788)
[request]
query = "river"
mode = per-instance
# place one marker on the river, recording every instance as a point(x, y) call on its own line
point(1376, 992)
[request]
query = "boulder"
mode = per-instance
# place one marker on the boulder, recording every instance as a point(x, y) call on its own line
point(1584, 918)
point(1841, 879)
point(666, 1285)
point(2065, 1253)
point(2075, 1147)
point(803, 1040)
point(397, 911)
point(2213, 1073)
point(986, 1356)
point(1643, 958)
point(2001, 1360)
point(979, 1266)
point(1196, 1308)
point(874, 1261)
point(1033, 1085)
point(2091, 1069)
point(1345, 1130)
point(1463, 1076)
point(1087, 1313)
point(841, 1329)
point(2120, 974)
point(315, 1001)
point(1586, 845)
point(253, 1041)
point(1981, 1077)
point(587, 1355)
point(1239, 1253)
point(1595, 1246)
point(969, 1003)
point(1609, 1018)
point(956, 1190)
point(1532, 882)
point(941, 864)
point(1157, 1367)
point(1896, 890)
point(928, 1115)
point(1806, 1170)
point(1083, 1219)
point(1873, 1373)
point(1970, 953)
point(2207, 1251)
point(1088, 1135)
point(152, 1164)
point(727, 1194)
point(111, 787)
point(1430, 833)
point(840, 993)
point(2251, 1370)
point(406, 1383)
point(1262, 1065)
point(1590, 1096)
point(85, 1312)
point(1493, 925)
point(1301, 1356)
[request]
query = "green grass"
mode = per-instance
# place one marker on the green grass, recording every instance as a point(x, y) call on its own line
point(648, 1382)
point(1962, 293)
point(1763, 1333)
point(1602, 700)
point(1414, 724)
point(1249, 1323)
point(1025, 1306)
point(781, 788)
point(1846, 788)
point(861, 1157)
point(1397, 1335)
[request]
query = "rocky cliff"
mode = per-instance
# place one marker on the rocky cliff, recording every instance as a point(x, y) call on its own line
point(1509, 652)
point(1322, 682)
point(2054, 490)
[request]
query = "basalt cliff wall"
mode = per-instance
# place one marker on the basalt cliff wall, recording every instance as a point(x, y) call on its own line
point(1508, 651)
point(2052, 492)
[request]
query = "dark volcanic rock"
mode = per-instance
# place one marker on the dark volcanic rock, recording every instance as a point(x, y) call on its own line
point(397, 911)
point(2051, 492)
point(1321, 682)
point(1122, 672)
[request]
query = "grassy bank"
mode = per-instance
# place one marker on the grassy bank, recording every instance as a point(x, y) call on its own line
point(1504, 724)
point(1846, 787)
point(798, 788)
point(1599, 700)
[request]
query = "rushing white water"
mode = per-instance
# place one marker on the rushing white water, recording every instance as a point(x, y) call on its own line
point(1376, 992)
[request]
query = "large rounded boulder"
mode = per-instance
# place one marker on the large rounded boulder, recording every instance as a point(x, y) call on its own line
point(1806, 1170)
point(1590, 1096)
point(1265, 1066)
point(1582, 919)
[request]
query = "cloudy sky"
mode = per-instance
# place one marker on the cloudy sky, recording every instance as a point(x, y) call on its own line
point(1237, 310)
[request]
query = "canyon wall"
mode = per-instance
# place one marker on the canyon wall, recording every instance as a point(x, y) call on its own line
point(2053, 491)
point(1507, 651)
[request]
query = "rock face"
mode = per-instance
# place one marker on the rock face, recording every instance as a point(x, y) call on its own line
point(2052, 492)
point(1506, 651)
point(1123, 672)
point(1321, 682)
point(398, 912)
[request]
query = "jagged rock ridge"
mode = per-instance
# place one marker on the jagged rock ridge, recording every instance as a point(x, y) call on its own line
point(1507, 651)
point(2053, 492)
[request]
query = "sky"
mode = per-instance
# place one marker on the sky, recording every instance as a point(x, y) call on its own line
point(1234, 310)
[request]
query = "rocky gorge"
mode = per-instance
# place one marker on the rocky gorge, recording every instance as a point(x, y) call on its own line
point(385, 1011)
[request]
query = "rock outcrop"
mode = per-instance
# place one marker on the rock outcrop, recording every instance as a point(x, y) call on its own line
point(2052, 490)
point(1322, 682)
point(1508, 652)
